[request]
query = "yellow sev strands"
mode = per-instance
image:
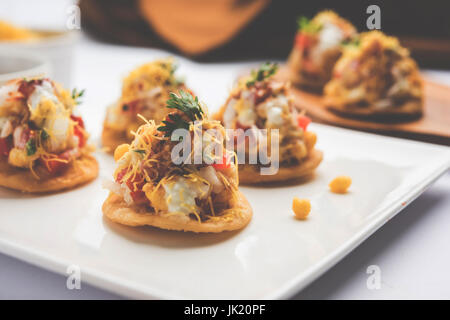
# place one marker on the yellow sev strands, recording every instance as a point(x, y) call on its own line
point(142, 159)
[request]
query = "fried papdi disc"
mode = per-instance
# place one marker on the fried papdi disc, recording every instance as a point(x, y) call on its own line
point(111, 139)
point(409, 109)
point(118, 211)
point(80, 171)
point(250, 174)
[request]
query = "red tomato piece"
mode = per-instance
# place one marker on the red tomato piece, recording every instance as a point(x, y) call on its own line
point(78, 120)
point(78, 130)
point(56, 164)
point(138, 196)
point(221, 166)
point(80, 134)
point(303, 121)
point(135, 185)
point(5, 146)
point(302, 40)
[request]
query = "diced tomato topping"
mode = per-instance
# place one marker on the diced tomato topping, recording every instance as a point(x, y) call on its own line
point(135, 185)
point(302, 40)
point(80, 134)
point(120, 175)
point(55, 166)
point(222, 166)
point(5, 146)
point(78, 130)
point(26, 88)
point(138, 196)
point(78, 120)
point(303, 121)
point(57, 163)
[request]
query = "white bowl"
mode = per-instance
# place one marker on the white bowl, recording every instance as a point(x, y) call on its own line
point(19, 65)
point(56, 47)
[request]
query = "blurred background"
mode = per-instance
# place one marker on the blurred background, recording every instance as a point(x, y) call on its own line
point(224, 30)
point(248, 29)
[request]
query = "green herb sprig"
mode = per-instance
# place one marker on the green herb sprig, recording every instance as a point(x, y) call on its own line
point(30, 147)
point(266, 70)
point(76, 95)
point(352, 42)
point(44, 135)
point(307, 25)
point(140, 151)
point(187, 104)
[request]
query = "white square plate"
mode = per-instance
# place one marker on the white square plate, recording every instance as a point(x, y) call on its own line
point(273, 257)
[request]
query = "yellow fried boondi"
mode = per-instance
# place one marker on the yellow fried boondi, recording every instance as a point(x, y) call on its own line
point(149, 188)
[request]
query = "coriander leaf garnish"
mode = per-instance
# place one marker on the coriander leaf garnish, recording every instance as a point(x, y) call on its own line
point(175, 121)
point(352, 42)
point(30, 147)
point(186, 103)
point(44, 135)
point(76, 95)
point(266, 70)
point(307, 25)
point(140, 151)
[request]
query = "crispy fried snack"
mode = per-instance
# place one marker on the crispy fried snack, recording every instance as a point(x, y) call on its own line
point(318, 45)
point(375, 78)
point(117, 210)
point(80, 171)
point(145, 91)
point(43, 145)
point(249, 174)
point(258, 102)
point(151, 188)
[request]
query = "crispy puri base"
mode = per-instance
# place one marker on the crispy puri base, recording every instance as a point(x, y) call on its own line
point(409, 109)
point(118, 211)
point(111, 139)
point(249, 174)
point(81, 171)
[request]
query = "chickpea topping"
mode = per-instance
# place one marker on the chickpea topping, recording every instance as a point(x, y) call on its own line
point(301, 208)
point(120, 151)
point(340, 184)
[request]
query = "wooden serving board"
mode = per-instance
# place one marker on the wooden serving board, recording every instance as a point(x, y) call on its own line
point(433, 126)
